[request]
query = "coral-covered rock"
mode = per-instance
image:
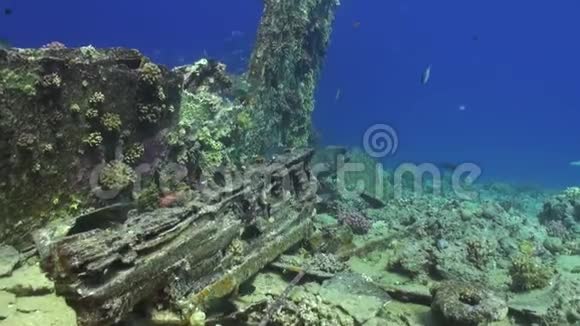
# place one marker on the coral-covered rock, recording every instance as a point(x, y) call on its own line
point(328, 263)
point(461, 304)
point(358, 223)
point(64, 111)
point(561, 214)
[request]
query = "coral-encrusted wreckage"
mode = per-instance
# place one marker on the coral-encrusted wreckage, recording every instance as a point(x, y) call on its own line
point(134, 194)
point(202, 251)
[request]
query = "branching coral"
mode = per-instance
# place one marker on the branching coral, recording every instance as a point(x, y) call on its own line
point(150, 74)
point(92, 113)
point(527, 271)
point(51, 81)
point(134, 153)
point(75, 108)
point(96, 99)
point(94, 139)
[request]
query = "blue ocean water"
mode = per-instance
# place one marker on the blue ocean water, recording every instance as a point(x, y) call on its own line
point(513, 66)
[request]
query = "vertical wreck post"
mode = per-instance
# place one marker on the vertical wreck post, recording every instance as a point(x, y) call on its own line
point(291, 45)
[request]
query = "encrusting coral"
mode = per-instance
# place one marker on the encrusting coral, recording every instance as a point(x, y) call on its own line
point(207, 124)
point(20, 80)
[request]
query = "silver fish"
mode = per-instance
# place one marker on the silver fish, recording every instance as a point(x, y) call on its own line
point(426, 75)
point(575, 163)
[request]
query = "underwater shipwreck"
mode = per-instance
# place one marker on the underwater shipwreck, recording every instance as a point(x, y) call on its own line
point(134, 194)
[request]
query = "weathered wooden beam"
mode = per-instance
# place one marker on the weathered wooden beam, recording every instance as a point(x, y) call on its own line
point(186, 252)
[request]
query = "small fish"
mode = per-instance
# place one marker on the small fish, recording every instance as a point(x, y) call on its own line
point(234, 35)
point(356, 25)
point(462, 108)
point(8, 11)
point(575, 163)
point(238, 52)
point(237, 34)
point(426, 75)
point(337, 96)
